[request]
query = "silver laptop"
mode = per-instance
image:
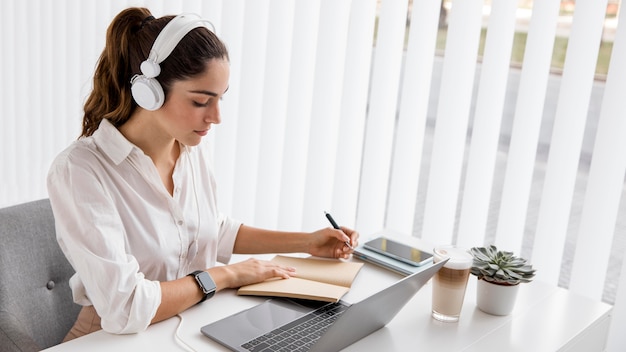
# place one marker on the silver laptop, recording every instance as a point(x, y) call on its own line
point(281, 324)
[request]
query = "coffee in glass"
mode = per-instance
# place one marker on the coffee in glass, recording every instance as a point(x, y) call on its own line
point(449, 282)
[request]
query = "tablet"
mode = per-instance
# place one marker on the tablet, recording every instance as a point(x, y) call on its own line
point(398, 251)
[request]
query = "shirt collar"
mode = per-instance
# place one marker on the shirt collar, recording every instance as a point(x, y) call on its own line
point(112, 142)
point(115, 145)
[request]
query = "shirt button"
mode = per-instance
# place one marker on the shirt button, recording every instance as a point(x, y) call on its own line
point(180, 222)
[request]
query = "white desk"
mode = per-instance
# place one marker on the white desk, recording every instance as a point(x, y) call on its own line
point(545, 318)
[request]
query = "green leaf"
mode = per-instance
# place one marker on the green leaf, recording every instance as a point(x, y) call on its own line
point(501, 267)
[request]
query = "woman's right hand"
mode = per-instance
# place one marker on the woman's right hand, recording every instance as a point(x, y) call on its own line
point(249, 272)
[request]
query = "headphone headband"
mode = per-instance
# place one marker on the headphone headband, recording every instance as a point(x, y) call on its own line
point(146, 90)
point(172, 33)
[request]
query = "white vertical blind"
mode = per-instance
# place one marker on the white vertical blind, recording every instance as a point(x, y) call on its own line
point(452, 119)
point(605, 187)
point(325, 111)
point(381, 117)
point(486, 127)
point(93, 24)
point(10, 78)
point(250, 120)
point(353, 111)
point(225, 136)
point(49, 123)
point(606, 179)
point(526, 124)
point(5, 61)
point(567, 137)
point(275, 95)
point(299, 106)
point(33, 48)
point(413, 109)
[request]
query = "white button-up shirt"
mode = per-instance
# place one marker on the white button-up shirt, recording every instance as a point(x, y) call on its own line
point(124, 233)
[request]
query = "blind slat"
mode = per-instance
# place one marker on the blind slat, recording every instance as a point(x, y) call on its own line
point(4, 62)
point(526, 124)
point(606, 180)
point(299, 105)
point(9, 140)
point(49, 143)
point(253, 57)
point(326, 107)
point(353, 111)
point(378, 142)
point(35, 70)
point(274, 109)
point(567, 137)
point(486, 127)
point(452, 120)
point(413, 110)
point(225, 136)
point(22, 162)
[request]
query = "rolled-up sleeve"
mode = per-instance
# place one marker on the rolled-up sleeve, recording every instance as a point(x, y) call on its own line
point(91, 234)
point(228, 229)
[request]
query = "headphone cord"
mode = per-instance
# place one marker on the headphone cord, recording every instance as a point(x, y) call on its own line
point(195, 193)
point(177, 337)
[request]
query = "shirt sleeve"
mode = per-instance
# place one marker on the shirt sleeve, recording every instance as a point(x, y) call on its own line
point(228, 229)
point(91, 235)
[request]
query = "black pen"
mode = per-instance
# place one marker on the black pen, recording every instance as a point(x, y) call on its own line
point(332, 222)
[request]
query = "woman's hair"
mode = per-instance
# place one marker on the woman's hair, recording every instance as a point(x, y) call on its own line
point(128, 42)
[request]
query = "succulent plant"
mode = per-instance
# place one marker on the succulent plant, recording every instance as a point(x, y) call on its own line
point(500, 267)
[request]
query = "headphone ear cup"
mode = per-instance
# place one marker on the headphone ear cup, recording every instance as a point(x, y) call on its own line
point(147, 92)
point(150, 68)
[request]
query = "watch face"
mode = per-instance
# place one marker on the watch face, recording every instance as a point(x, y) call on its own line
point(206, 282)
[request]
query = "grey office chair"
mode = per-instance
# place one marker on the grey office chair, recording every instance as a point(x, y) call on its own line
point(36, 307)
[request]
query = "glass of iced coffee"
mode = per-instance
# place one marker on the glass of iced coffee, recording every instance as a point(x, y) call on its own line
point(449, 282)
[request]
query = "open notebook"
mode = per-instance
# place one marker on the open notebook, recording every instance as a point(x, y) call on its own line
point(316, 279)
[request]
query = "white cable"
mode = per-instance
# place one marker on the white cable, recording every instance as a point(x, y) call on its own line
point(177, 337)
point(195, 194)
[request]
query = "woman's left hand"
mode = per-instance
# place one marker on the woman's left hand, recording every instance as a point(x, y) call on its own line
point(330, 242)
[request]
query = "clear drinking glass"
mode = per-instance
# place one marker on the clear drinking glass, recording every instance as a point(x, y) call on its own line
point(449, 282)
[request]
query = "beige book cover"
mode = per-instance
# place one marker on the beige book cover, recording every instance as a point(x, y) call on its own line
point(316, 279)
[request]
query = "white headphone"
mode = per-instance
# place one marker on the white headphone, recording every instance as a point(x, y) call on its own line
point(145, 89)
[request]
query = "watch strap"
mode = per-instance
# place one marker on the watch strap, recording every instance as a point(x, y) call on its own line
point(208, 292)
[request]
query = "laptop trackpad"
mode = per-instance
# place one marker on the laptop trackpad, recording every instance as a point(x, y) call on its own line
point(256, 321)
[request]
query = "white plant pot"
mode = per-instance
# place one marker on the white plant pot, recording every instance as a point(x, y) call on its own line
point(495, 299)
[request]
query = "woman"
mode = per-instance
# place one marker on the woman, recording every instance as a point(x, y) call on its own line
point(134, 197)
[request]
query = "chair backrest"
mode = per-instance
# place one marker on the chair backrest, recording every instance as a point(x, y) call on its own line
point(36, 306)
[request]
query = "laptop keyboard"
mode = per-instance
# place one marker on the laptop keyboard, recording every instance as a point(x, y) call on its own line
point(300, 334)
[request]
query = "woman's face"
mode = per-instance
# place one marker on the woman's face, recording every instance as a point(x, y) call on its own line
point(193, 105)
